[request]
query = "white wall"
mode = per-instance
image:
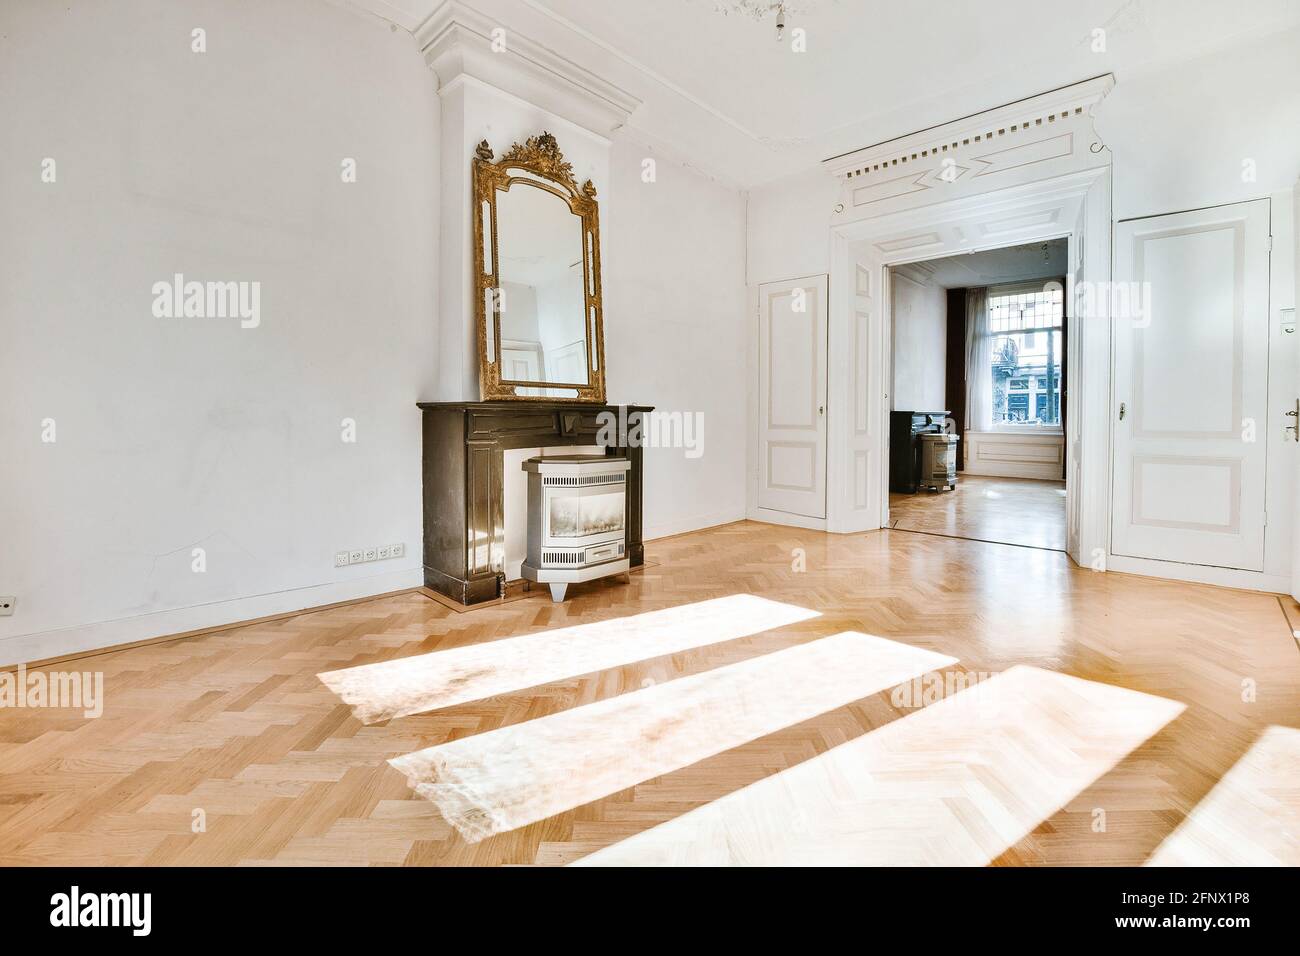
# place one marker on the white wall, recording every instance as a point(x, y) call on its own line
point(920, 330)
point(181, 433)
point(1180, 135)
point(675, 328)
point(788, 227)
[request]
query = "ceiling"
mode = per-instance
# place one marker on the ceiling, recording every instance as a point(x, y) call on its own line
point(721, 92)
point(1034, 260)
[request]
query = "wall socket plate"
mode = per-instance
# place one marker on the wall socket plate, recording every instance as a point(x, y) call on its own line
point(365, 555)
point(7, 602)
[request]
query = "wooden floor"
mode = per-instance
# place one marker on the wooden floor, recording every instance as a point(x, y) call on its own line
point(1024, 511)
point(1169, 739)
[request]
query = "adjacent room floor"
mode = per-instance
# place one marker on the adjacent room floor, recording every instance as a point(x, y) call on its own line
point(1024, 511)
point(760, 694)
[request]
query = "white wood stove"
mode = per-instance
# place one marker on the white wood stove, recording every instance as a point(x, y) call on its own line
point(577, 517)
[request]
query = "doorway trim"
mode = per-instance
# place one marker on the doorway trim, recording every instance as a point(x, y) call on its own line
point(1021, 173)
point(887, 357)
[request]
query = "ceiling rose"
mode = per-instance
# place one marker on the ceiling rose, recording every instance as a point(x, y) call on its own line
point(760, 10)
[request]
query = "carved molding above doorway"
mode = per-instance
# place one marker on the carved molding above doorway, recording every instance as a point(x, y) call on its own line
point(1031, 139)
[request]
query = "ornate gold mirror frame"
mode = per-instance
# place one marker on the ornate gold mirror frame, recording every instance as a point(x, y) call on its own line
point(539, 164)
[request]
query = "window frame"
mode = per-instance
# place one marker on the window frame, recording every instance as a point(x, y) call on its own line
point(1023, 288)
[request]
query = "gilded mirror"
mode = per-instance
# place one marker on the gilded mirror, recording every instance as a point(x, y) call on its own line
point(537, 276)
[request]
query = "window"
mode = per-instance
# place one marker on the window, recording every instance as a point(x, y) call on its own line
point(1026, 365)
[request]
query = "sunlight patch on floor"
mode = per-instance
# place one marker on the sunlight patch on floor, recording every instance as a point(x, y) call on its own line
point(413, 685)
point(507, 778)
point(1251, 817)
point(956, 783)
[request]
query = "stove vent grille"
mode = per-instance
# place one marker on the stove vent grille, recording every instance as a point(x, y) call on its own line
point(571, 481)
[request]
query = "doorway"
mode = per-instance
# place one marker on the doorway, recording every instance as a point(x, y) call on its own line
point(977, 370)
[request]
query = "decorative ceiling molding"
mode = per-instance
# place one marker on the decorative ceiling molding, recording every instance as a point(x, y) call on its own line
point(1001, 125)
point(457, 42)
point(642, 68)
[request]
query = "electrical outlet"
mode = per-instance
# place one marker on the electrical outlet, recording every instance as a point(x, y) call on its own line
point(363, 555)
point(7, 603)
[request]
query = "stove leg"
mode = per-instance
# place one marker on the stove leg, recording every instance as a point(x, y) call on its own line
point(557, 592)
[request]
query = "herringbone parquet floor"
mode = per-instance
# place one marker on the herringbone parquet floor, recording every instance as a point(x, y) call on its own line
point(1023, 511)
point(1171, 732)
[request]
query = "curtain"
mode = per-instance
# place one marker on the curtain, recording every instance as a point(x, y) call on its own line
point(979, 359)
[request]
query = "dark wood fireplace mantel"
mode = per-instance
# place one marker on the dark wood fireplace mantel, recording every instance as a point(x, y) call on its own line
point(464, 521)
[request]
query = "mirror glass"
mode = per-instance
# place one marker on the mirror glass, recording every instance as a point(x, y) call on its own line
point(541, 307)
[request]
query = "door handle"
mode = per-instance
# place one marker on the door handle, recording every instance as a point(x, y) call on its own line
point(1122, 410)
point(821, 409)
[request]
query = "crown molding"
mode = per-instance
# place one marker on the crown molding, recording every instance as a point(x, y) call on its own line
point(1062, 106)
point(456, 42)
point(642, 68)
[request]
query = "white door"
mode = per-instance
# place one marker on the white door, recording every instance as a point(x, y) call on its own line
point(792, 396)
point(567, 363)
point(1191, 382)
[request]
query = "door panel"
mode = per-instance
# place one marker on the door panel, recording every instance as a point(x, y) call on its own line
point(1191, 377)
point(792, 396)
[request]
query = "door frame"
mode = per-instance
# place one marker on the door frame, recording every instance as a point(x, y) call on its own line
point(1069, 205)
point(888, 354)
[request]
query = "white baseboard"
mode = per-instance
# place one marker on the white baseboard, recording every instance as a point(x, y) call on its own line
point(695, 523)
point(67, 641)
point(769, 516)
point(1200, 574)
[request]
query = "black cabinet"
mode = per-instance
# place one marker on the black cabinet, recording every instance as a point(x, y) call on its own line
point(904, 450)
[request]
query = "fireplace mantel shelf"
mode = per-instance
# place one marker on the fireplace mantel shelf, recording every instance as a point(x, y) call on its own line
point(464, 521)
point(535, 405)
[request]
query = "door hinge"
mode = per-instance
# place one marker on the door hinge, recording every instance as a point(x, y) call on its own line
point(1269, 244)
point(1265, 519)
